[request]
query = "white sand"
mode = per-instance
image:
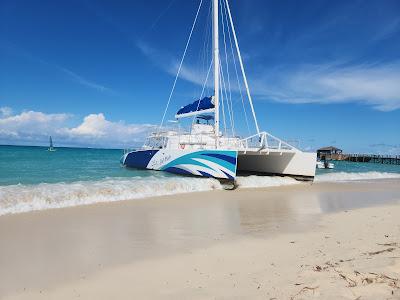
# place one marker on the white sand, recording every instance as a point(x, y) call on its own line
point(296, 252)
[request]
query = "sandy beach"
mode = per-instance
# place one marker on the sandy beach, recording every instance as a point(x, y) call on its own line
point(322, 241)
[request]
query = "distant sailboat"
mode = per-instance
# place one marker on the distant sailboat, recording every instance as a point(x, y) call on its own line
point(51, 148)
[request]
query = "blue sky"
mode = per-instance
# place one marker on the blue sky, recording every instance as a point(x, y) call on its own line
point(98, 73)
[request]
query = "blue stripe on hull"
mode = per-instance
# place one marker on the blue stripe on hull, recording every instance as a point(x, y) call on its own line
point(230, 159)
point(177, 171)
point(204, 174)
point(139, 159)
point(229, 176)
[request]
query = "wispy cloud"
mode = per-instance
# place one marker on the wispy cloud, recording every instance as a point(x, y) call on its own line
point(376, 85)
point(15, 50)
point(387, 30)
point(83, 81)
point(373, 84)
point(388, 149)
point(170, 63)
point(32, 127)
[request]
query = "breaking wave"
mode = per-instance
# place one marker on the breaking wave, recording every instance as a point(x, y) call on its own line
point(23, 198)
point(355, 176)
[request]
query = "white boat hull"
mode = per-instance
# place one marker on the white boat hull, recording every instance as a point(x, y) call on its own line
point(322, 165)
point(330, 166)
point(224, 164)
point(290, 163)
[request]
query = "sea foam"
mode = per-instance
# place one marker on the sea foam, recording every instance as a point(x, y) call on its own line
point(264, 181)
point(23, 198)
point(355, 176)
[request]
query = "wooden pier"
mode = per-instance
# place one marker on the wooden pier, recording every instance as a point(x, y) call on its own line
point(371, 158)
point(333, 153)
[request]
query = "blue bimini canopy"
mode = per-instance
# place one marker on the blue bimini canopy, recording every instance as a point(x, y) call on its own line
point(205, 105)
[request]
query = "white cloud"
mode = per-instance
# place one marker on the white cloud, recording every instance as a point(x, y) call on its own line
point(97, 129)
point(30, 123)
point(31, 127)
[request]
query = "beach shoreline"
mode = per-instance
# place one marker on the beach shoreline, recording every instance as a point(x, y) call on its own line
point(221, 244)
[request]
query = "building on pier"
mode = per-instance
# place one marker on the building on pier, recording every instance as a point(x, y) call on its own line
point(330, 152)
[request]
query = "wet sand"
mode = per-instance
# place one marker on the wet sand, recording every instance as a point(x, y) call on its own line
point(324, 240)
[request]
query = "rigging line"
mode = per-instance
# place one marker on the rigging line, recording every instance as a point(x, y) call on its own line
point(207, 38)
point(204, 87)
point(227, 102)
point(180, 65)
point(222, 102)
point(227, 73)
point(206, 41)
point(209, 54)
point(242, 67)
point(207, 46)
point(203, 59)
point(163, 12)
point(235, 67)
point(229, 105)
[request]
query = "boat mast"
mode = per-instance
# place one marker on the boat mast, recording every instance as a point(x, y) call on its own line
point(216, 70)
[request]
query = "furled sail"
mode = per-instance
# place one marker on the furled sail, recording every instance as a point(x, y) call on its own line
point(201, 106)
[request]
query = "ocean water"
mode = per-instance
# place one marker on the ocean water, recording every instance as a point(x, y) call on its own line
point(32, 178)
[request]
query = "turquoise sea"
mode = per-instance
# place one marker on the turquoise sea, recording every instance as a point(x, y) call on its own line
point(31, 178)
point(33, 165)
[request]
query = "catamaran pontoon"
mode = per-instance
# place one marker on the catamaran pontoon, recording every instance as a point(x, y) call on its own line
point(205, 150)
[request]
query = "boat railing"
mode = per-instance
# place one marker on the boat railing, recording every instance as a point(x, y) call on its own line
point(265, 140)
point(204, 140)
point(191, 140)
point(156, 141)
point(231, 143)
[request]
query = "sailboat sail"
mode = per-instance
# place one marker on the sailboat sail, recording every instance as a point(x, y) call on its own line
point(51, 148)
point(201, 106)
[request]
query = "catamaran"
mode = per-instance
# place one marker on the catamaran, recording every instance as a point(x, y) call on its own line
point(207, 149)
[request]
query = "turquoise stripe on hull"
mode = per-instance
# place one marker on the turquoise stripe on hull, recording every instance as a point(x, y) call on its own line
point(218, 166)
